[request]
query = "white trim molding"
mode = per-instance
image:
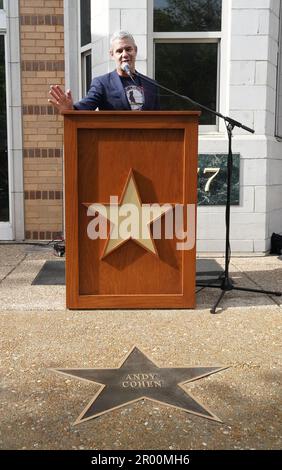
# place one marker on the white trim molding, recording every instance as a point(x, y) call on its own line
point(72, 53)
point(14, 229)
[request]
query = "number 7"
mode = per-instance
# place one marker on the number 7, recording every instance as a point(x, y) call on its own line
point(214, 172)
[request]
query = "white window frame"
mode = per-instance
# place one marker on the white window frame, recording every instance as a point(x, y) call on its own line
point(221, 37)
point(9, 27)
point(83, 52)
point(71, 47)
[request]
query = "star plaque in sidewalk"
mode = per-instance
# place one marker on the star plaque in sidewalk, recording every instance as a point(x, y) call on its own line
point(139, 378)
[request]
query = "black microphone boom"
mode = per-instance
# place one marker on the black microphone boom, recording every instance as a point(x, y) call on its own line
point(195, 103)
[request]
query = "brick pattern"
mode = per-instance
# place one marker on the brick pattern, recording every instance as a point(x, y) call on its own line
point(43, 153)
point(35, 109)
point(42, 20)
point(43, 195)
point(31, 235)
point(42, 64)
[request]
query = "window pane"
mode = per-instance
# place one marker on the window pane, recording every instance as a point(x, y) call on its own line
point(85, 21)
point(86, 63)
point(187, 15)
point(1, 4)
point(189, 69)
point(4, 188)
point(88, 71)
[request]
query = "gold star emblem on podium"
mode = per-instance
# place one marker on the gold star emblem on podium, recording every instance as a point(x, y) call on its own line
point(145, 217)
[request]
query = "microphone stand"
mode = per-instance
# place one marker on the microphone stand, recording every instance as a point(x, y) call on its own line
point(226, 284)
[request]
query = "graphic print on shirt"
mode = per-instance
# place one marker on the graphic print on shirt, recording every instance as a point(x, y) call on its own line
point(135, 96)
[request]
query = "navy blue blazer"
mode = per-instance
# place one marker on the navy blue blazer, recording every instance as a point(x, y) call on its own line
point(107, 93)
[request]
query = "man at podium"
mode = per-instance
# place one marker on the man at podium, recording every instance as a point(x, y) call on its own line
point(120, 90)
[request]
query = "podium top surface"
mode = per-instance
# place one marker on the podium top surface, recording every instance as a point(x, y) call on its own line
point(131, 113)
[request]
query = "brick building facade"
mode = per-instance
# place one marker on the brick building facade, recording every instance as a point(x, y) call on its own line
point(62, 41)
point(42, 64)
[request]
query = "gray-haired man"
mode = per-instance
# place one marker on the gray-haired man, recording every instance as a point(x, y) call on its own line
point(114, 90)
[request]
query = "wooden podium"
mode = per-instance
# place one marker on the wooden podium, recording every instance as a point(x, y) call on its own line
point(105, 152)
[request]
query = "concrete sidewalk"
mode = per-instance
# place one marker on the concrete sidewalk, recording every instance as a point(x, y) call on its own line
point(39, 334)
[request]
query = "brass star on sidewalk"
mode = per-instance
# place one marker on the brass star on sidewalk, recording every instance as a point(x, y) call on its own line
point(138, 378)
point(142, 219)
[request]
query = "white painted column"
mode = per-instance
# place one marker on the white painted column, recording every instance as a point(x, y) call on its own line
point(248, 104)
point(14, 121)
point(71, 43)
point(255, 27)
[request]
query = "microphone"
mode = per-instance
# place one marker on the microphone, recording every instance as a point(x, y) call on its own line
point(125, 67)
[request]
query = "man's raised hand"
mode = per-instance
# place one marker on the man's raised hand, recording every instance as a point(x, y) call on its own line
point(60, 100)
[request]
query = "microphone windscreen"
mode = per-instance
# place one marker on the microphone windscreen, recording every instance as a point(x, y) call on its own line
point(125, 67)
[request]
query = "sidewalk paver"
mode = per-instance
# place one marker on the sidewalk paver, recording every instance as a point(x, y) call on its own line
point(39, 335)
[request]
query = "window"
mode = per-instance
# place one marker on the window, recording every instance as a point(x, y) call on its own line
point(1, 5)
point(86, 64)
point(4, 185)
point(191, 70)
point(187, 15)
point(85, 22)
point(187, 52)
point(85, 45)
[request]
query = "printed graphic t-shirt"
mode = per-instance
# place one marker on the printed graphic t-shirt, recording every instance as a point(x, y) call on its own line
point(134, 93)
